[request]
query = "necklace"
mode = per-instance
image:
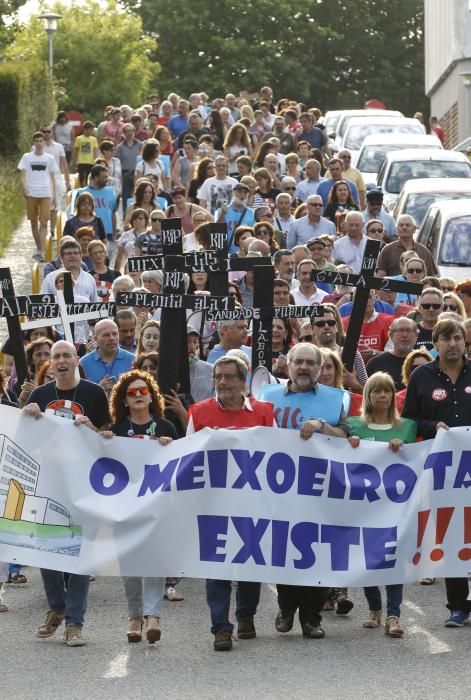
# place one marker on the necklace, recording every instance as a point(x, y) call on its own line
point(131, 431)
point(73, 397)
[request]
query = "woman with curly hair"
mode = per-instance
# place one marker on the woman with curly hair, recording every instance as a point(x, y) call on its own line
point(137, 409)
point(145, 197)
point(340, 200)
point(237, 143)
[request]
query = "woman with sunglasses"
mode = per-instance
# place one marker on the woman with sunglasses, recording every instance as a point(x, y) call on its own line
point(264, 231)
point(413, 270)
point(293, 169)
point(137, 409)
point(452, 302)
point(127, 243)
point(380, 421)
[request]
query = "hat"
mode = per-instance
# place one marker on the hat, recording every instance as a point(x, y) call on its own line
point(375, 196)
point(190, 330)
point(315, 240)
point(241, 186)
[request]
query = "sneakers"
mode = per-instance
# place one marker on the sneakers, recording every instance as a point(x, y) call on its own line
point(73, 636)
point(344, 605)
point(153, 629)
point(246, 629)
point(51, 622)
point(222, 640)
point(284, 622)
point(135, 628)
point(311, 631)
point(392, 628)
point(457, 618)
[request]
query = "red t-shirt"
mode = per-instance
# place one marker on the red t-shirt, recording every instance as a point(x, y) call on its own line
point(374, 335)
point(208, 414)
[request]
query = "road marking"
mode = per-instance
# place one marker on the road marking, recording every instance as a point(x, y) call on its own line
point(435, 645)
point(412, 606)
point(118, 667)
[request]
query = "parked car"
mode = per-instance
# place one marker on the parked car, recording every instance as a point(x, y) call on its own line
point(464, 147)
point(417, 195)
point(414, 163)
point(348, 114)
point(446, 231)
point(358, 129)
point(376, 147)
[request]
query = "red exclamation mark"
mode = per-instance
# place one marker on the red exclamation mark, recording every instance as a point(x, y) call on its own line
point(443, 520)
point(465, 553)
point(422, 520)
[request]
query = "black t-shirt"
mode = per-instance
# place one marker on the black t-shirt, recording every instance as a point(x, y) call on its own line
point(104, 281)
point(86, 399)
point(156, 427)
point(424, 339)
point(387, 362)
point(73, 224)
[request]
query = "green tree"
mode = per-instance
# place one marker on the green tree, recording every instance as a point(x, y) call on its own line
point(8, 10)
point(100, 56)
point(329, 53)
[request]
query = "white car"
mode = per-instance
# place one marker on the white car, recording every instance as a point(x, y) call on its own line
point(413, 163)
point(446, 231)
point(348, 114)
point(376, 147)
point(418, 195)
point(358, 129)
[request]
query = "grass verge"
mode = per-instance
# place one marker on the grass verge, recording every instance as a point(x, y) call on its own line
point(12, 205)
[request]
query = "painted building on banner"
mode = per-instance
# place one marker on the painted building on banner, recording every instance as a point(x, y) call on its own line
point(448, 66)
point(19, 475)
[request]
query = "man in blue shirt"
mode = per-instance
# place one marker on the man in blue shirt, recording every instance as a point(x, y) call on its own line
point(104, 198)
point(179, 122)
point(374, 210)
point(336, 171)
point(233, 334)
point(312, 181)
point(312, 134)
point(236, 214)
point(108, 361)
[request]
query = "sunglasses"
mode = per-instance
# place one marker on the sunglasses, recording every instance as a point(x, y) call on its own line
point(305, 338)
point(142, 390)
point(450, 307)
point(264, 231)
point(290, 189)
point(156, 218)
point(314, 204)
point(375, 230)
point(415, 270)
point(327, 322)
point(431, 306)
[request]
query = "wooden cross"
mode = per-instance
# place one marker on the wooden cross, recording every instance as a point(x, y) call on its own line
point(363, 283)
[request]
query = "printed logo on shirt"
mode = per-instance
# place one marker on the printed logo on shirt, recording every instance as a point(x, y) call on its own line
point(65, 408)
point(439, 394)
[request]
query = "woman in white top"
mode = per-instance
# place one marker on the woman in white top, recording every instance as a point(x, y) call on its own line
point(126, 244)
point(151, 164)
point(63, 133)
point(237, 143)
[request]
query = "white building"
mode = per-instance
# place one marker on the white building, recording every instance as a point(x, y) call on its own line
point(448, 65)
point(44, 511)
point(17, 464)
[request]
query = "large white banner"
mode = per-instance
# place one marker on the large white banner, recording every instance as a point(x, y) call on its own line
point(257, 504)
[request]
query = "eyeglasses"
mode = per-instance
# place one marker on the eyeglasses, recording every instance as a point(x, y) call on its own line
point(427, 307)
point(450, 307)
point(415, 270)
point(375, 230)
point(325, 322)
point(290, 189)
point(156, 218)
point(143, 390)
point(305, 338)
point(314, 204)
point(263, 231)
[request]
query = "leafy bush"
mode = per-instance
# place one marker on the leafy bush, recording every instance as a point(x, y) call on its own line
point(11, 200)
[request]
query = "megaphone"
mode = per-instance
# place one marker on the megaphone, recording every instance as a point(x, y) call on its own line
point(261, 376)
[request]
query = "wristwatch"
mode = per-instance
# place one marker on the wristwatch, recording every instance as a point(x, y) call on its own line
point(322, 421)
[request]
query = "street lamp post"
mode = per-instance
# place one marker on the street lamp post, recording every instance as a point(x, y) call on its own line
point(50, 19)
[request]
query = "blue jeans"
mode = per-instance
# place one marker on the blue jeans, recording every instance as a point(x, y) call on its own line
point(218, 595)
point(144, 595)
point(14, 568)
point(72, 601)
point(393, 598)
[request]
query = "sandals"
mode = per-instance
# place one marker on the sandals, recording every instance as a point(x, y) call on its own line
point(427, 581)
point(3, 607)
point(172, 594)
point(373, 621)
point(392, 628)
point(17, 578)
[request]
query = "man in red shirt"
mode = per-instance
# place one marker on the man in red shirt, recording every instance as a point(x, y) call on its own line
point(233, 410)
point(374, 330)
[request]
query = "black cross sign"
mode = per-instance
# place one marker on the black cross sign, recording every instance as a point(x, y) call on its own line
point(363, 283)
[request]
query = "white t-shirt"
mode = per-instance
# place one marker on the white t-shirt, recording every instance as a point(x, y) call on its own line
point(38, 170)
point(216, 192)
point(301, 300)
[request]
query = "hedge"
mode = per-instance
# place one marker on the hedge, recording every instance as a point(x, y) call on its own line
point(26, 101)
